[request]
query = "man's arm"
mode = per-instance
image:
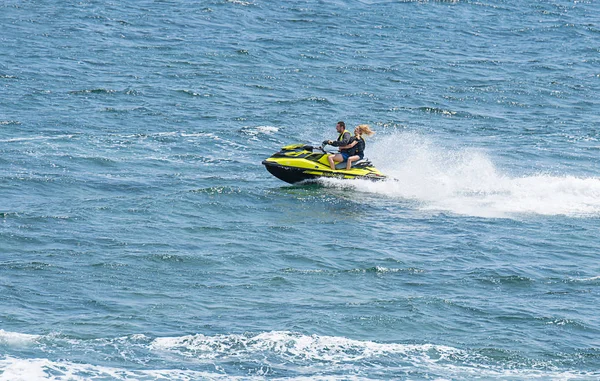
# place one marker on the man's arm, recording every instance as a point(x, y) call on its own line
point(344, 142)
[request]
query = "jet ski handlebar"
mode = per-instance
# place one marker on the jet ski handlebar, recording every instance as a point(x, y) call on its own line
point(312, 148)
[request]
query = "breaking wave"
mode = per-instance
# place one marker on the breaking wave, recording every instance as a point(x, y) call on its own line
point(16, 339)
point(252, 356)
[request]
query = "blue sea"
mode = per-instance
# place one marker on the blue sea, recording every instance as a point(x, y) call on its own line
point(141, 238)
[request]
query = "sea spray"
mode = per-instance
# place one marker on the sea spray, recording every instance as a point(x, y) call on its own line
point(466, 181)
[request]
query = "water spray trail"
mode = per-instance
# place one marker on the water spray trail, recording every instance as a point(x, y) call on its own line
point(467, 182)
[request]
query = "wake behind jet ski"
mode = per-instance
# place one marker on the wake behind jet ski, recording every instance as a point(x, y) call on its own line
point(299, 162)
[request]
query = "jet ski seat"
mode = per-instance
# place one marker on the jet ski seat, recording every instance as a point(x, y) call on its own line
point(359, 163)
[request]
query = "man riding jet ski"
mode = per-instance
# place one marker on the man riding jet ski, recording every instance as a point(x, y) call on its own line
point(298, 162)
point(342, 141)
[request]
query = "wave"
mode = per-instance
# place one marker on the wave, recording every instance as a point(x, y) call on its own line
point(193, 93)
point(239, 2)
point(260, 130)
point(593, 279)
point(16, 339)
point(293, 346)
point(218, 190)
point(117, 110)
point(312, 99)
point(105, 91)
point(32, 138)
point(380, 270)
point(93, 91)
point(438, 110)
point(252, 356)
point(15, 369)
point(467, 182)
point(257, 131)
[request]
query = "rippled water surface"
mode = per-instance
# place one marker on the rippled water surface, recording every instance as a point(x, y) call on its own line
point(142, 239)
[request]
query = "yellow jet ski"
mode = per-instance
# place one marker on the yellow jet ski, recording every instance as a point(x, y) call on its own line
point(298, 162)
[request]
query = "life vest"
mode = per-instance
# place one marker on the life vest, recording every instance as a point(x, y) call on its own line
point(340, 138)
point(360, 146)
point(360, 143)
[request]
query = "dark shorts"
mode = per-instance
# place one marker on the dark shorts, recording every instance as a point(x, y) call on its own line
point(346, 155)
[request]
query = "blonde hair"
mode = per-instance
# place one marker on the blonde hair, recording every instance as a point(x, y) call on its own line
point(364, 129)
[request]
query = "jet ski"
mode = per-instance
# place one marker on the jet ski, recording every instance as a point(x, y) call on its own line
point(299, 162)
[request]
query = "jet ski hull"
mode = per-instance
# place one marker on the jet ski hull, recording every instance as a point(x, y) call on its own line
point(298, 163)
point(288, 174)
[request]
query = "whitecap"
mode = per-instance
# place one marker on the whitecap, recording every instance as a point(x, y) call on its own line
point(16, 339)
point(290, 345)
point(34, 138)
point(39, 369)
point(309, 354)
point(349, 356)
point(267, 129)
point(590, 279)
point(254, 131)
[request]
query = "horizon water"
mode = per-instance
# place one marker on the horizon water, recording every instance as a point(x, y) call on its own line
point(142, 239)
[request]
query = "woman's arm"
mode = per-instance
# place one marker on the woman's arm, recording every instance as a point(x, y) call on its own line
point(352, 144)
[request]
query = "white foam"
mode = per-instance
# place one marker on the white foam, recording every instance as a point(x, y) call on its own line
point(23, 370)
point(255, 132)
point(200, 135)
point(288, 344)
point(15, 369)
point(590, 279)
point(33, 138)
point(467, 182)
point(267, 129)
point(240, 2)
point(311, 353)
point(307, 356)
point(17, 339)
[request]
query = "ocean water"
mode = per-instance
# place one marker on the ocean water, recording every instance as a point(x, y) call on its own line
point(142, 239)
